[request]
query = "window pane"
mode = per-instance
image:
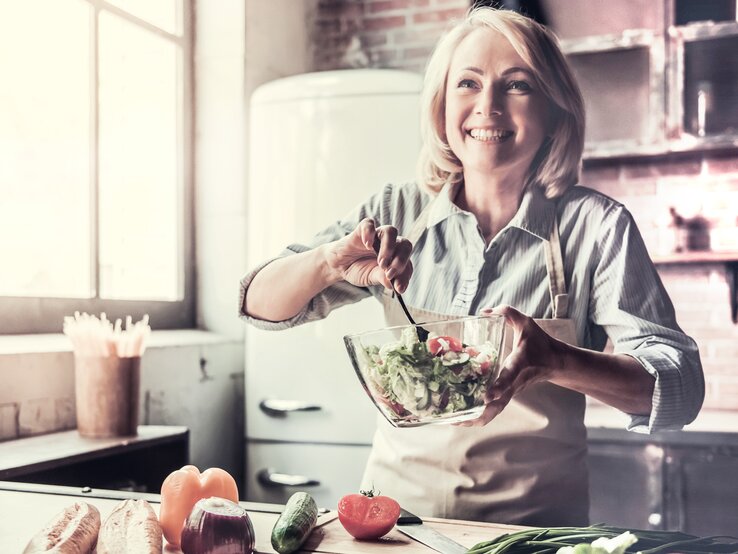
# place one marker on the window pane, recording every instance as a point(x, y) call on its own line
point(44, 148)
point(139, 194)
point(165, 14)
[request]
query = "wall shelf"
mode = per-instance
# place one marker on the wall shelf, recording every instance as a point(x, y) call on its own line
point(696, 257)
point(729, 259)
point(657, 77)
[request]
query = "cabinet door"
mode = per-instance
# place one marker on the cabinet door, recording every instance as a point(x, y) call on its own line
point(703, 490)
point(625, 485)
point(327, 472)
point(301, 386)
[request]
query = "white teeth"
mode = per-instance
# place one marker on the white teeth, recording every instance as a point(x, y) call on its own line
point(489, 134)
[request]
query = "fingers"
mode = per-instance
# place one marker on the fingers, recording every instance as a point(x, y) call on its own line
point(512, 316)
point(491, 411)
point(392, 251)
point(367, 230)
point(385, 243)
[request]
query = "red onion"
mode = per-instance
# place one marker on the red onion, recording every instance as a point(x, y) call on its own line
point(218, 526)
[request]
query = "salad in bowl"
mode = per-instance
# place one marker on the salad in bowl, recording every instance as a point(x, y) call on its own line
point(440, 380)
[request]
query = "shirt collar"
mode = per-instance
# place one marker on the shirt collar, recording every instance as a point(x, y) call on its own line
point(535, 214)
point(443, 205)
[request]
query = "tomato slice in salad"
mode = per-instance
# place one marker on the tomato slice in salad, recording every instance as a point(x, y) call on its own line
point(366, 516)
point(438, 346)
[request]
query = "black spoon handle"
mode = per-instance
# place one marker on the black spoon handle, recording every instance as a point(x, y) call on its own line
point(404, 308)
point(422, 333)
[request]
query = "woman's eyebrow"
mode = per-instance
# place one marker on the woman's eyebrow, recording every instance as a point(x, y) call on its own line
point(508, 71)
point(474, 69)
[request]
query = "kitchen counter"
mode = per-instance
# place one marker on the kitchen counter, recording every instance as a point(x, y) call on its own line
point(25, 509)
point(710, 427)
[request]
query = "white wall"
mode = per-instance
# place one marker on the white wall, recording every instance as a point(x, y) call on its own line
point(239, 46)
point(220, 203)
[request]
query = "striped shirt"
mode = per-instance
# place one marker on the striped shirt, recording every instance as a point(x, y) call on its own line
point(614, 288)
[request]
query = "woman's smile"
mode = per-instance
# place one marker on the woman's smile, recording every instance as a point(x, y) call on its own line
point(493, 136)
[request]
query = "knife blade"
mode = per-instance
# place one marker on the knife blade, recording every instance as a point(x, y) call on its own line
point(412, 526)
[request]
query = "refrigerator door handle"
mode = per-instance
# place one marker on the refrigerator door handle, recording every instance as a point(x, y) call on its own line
point(275, 407)
point(272, 478)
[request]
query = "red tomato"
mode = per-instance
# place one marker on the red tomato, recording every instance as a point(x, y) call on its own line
point(437, 345)
point(473, 352)
point(434, 347)
point(366, 516)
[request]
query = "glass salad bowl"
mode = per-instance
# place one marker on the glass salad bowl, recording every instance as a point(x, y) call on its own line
point(441, 380)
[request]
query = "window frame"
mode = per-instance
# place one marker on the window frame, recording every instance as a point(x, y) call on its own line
point(33, 315)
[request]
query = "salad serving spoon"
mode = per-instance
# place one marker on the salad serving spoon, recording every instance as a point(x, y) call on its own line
point(422, 332)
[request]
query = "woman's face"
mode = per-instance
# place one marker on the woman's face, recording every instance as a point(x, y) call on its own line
point(496, 118)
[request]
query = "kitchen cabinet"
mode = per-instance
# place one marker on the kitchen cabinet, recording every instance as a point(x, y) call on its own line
point(703, 490)
point(138, 463)
point(326, 471)
point(678, 481)
point(657, 76)
point(626, 484)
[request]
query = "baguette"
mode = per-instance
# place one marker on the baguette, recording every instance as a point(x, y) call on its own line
point(131, 528)
point(72, 531)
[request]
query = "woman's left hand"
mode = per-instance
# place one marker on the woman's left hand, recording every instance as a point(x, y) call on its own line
point(534, 358)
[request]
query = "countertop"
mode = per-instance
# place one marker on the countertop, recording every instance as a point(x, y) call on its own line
point(605, 422)
point(25, 509)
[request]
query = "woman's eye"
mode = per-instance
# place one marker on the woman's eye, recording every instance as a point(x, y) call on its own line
point(467, 83)
point(521, 86)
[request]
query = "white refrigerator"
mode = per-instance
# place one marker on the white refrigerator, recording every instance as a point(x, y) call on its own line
point(320, 144)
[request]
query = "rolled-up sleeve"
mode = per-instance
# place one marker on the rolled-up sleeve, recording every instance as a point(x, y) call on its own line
point(319, 306)
point(334, 296)
point(630, 302)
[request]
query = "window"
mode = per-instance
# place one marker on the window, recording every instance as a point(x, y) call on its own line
point(95, 161)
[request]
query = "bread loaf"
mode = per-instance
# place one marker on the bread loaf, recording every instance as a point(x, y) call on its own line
point(72, 531)
point(131, 528)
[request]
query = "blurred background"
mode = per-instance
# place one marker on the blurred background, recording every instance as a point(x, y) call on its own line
point(135, 179)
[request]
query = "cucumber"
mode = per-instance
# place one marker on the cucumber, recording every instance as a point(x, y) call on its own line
point(295, 523)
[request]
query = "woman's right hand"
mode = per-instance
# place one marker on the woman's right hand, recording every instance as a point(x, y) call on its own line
point(353, 258)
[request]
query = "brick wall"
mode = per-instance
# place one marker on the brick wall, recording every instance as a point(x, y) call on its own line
point(692, 184)
point(397, 34)
point(401, 34)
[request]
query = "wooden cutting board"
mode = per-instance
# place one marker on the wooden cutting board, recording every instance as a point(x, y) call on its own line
point(330, 537)
point(23, 513)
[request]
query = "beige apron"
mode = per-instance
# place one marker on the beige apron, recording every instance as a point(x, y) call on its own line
point(527, 466)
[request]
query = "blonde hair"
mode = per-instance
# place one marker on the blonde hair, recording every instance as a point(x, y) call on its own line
point(557, 164)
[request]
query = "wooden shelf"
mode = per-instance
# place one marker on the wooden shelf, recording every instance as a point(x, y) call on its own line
point(730, 259)
point(66, 458)
point(696, 257)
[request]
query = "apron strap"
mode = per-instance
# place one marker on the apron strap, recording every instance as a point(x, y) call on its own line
point(555, 269)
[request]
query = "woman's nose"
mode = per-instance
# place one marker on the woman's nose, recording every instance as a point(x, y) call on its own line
point(489, 103)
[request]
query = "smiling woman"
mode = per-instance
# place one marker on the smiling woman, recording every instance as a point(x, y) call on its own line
point(498, 223)
point(94, 177)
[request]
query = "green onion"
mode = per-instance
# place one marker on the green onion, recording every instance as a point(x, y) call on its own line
point(548, 541)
